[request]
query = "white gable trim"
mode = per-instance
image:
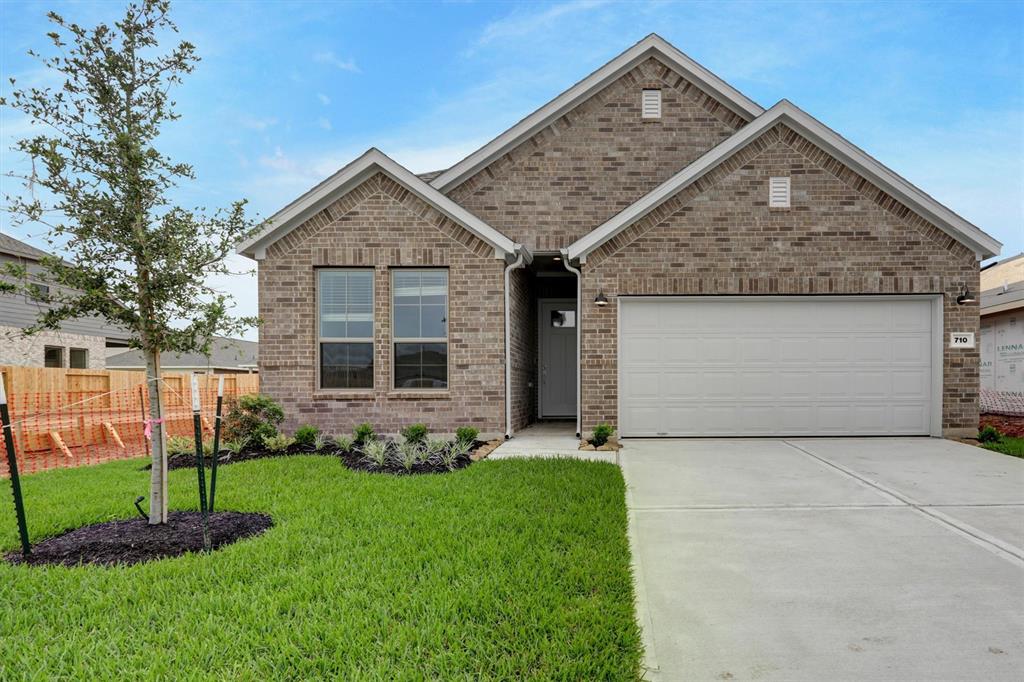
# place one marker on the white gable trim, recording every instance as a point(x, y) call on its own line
point(651, 45)
point(348, 178)
point(981, 243)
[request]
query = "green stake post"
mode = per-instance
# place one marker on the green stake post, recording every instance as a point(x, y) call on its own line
point(12, 464)
point(200, 468)
point(216, 441)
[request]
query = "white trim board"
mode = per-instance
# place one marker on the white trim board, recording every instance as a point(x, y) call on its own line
point(786, 112)
point(652, 45)
point(350, 177)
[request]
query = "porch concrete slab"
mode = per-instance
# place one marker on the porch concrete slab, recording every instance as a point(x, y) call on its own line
point(733, 472)
point(826, 594)
point(928, 470)
point(548, 439)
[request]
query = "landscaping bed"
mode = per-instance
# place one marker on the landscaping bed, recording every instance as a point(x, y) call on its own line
point(512, 569)
point(134, 541)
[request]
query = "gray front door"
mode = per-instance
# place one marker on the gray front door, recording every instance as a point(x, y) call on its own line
point(557, 358)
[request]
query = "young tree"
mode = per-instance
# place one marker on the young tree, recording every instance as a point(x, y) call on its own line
point(102, 189)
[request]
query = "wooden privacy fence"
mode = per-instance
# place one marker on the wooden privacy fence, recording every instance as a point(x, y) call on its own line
point(71, 417)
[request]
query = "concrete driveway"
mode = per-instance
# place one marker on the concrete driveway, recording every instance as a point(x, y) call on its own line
point(828, 559)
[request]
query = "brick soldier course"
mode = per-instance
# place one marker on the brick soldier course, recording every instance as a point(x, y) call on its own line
point(551, 187)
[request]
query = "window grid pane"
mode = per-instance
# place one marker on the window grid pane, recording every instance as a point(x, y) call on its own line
point(420, 303)
point(346, 365)
point(421, 365)
point(346, 304)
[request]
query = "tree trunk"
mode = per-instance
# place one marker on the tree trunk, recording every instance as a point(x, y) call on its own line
point(158, 474)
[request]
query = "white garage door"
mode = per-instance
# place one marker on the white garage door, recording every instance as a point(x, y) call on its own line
point(777, 366)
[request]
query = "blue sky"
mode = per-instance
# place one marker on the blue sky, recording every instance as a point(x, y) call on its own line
point(288, 92)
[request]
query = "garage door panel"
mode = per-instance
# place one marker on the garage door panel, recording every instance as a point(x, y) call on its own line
point(776, 366)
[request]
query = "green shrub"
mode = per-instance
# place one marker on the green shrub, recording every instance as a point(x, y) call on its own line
point(988, 434)
point(602, 432)
point(181, 445)
point(407, 454)
point(415, 433)
point(343, 442)
point(279, 443)
point(253, 418)
point(364, 433)
point(233, 446)
point(320, 442)
point(306, 434)
point(466, 434)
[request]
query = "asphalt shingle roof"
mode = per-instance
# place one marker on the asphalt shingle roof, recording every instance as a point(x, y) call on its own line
point(223, 354)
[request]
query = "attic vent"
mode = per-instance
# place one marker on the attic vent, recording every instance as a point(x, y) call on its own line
point(778, 192)
point(651, 104)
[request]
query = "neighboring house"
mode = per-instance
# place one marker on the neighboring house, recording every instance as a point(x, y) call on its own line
point(1002, 325)
point(227, 356)
point(78, 344)
point(710, 267)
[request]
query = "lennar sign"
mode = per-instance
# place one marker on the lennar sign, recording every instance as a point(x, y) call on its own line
point(1002, 353)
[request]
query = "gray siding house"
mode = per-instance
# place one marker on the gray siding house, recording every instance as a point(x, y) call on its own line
point(78, 344)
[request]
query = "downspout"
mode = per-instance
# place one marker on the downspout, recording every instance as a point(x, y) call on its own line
point(579, 338)
point(519, 262)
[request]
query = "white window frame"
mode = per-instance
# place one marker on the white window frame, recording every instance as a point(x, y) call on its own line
point(320, 340)
point(395, 340)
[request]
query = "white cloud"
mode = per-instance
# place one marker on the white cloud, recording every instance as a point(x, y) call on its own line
point(279, 161)
point(523, 24)
point(260, 124)
point(324, 99)
point(324, 123)
point(332, 59)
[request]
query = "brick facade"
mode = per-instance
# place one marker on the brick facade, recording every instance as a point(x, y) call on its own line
point(842, 235)
point(380, 225)
point(595, 161)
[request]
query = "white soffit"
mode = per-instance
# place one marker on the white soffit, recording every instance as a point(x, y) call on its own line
point(652, 45)
point(349, 177)
point(984, 245)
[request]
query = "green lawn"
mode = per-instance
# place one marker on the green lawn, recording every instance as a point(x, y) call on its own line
point(505, 570)
point(1008, 445)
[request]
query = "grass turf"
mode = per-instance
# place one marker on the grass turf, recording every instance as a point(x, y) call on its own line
point(1008, 445)
point(506, 570)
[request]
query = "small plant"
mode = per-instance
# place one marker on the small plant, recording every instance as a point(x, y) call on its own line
point(415, 433)
point(434, 447)
point(466, 434)
point(279, 443)
point(343, 442)
point(363, 433)
point(320, 442)
point(235, 447)
point(306, 434)
point(208, 447)
point(180, 445)
point(253, 418)
point(375, 452)
point(408, 454)
point(450, 456)
point(602, 432)
point(987, 434)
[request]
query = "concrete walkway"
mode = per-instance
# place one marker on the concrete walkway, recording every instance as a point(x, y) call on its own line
point(827, 559)
point(548, 439)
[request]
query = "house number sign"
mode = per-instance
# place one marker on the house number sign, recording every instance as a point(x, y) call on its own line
point(961, 340)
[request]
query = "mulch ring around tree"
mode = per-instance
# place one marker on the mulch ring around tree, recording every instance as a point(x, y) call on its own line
point(134, 541)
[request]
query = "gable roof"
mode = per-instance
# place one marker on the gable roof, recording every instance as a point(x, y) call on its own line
point(349, 177)
point(785, 112)
point(15, 247)
point(652, 45)
point(225, 353)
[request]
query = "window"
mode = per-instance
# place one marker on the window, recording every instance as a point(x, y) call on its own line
point(778, 192)
point(78, 358)
point(420, 320)
point(345, 328)
point(563, 318)
point(38, 292)
point(650, 104)
point(53, 356)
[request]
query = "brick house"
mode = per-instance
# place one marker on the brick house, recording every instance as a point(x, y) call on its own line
point(650, 249)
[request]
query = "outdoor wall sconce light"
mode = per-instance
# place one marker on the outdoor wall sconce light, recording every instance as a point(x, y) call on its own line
point(601, 300)
point(965, 296)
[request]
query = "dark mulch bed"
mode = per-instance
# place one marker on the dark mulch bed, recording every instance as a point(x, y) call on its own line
point(133, 541)
point(351, 459)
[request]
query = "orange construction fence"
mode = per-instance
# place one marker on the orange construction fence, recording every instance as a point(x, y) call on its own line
point(90, 416)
